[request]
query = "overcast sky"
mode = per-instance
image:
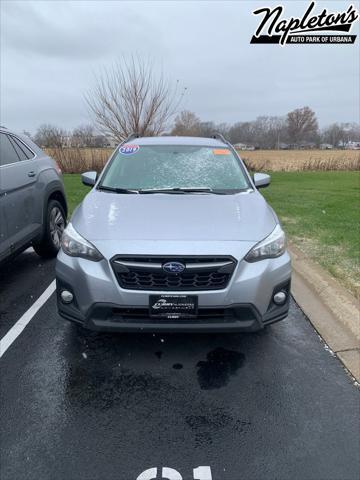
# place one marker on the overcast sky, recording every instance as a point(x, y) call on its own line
point(50, 51)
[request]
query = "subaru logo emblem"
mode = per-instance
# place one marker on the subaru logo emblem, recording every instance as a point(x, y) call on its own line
point(173, 267)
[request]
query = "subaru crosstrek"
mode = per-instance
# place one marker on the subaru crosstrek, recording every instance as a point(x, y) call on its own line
point(174, 236)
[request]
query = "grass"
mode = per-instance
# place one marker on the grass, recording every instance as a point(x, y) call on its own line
point(319, 211)
point(75, 190)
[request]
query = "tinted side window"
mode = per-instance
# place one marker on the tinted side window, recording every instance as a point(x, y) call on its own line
point(21, 147)
point(21, 153)
point(7, 151)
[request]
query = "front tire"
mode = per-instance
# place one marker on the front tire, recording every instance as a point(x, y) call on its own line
point(54, 226)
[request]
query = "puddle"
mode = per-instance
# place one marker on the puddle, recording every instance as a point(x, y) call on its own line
point(219, 366)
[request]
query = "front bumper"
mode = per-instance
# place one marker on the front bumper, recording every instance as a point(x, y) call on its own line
point(244, 305)
point(234, 318)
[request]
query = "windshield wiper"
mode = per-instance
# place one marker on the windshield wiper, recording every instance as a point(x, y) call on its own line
point(116, 189)
point(182, 190)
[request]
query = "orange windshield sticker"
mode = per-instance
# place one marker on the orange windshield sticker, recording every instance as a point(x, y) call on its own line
point(221, 151)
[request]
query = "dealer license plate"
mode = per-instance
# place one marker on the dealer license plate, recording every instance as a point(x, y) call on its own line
point(173, 306)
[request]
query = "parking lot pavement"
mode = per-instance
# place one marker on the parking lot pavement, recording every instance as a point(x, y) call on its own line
point(22, 280)
point(80, 405)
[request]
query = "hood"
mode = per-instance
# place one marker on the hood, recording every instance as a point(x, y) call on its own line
point(166, 217)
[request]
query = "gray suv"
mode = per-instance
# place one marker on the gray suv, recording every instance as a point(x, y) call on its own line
point(174, 235)
point(32, 199)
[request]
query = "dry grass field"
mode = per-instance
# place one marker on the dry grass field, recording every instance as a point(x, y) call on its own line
point(77, 160)
point(301, 160)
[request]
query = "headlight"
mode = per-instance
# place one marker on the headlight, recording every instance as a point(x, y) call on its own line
point(75, 245)
point(271, 247)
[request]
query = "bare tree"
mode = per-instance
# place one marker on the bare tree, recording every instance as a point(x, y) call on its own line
point(264, 132)
point(186, 123)
point(130, 97)
point(83, 136)
point(302, 124)
point(50, 136)
point(333, 134)
point(350, 132)
point(269, 131)
point(223, 128)
point(242, 132)
point(100, 141)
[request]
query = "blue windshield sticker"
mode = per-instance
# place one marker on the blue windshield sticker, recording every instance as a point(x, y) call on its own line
point(129, 149)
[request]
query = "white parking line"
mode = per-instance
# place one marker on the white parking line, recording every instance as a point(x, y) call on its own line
point(19, 326)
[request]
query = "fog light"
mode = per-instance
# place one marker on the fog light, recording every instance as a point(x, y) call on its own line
point(280, 298)
point(66, 296)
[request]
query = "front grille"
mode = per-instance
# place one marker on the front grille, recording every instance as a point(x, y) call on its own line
point(146, 273)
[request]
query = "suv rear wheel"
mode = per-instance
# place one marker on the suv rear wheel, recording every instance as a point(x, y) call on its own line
point(54, 226)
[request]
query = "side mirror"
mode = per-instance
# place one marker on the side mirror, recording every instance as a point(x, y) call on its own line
point(261, 180)
point(89, 178)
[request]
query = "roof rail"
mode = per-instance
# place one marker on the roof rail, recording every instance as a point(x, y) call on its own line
point(131, 137)
point(2, 126)
point(221, 137)
point(128, 139)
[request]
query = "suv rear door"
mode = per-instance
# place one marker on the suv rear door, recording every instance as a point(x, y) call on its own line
point(4, 243)
point(18, 176)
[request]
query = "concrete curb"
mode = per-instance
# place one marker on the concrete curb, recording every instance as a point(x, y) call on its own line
point(332, 310)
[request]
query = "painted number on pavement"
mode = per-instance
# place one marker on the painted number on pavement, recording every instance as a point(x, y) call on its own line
point(199, 473)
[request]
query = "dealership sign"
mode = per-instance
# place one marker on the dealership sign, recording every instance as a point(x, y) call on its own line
point(325, 27)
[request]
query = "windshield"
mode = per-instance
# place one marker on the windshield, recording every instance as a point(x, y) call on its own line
point(138, 167)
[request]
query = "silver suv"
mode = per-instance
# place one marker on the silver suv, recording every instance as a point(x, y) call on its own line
point(32, 199)
point(174, 235)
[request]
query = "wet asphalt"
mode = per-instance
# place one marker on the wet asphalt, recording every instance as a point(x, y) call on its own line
point(79, 405)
